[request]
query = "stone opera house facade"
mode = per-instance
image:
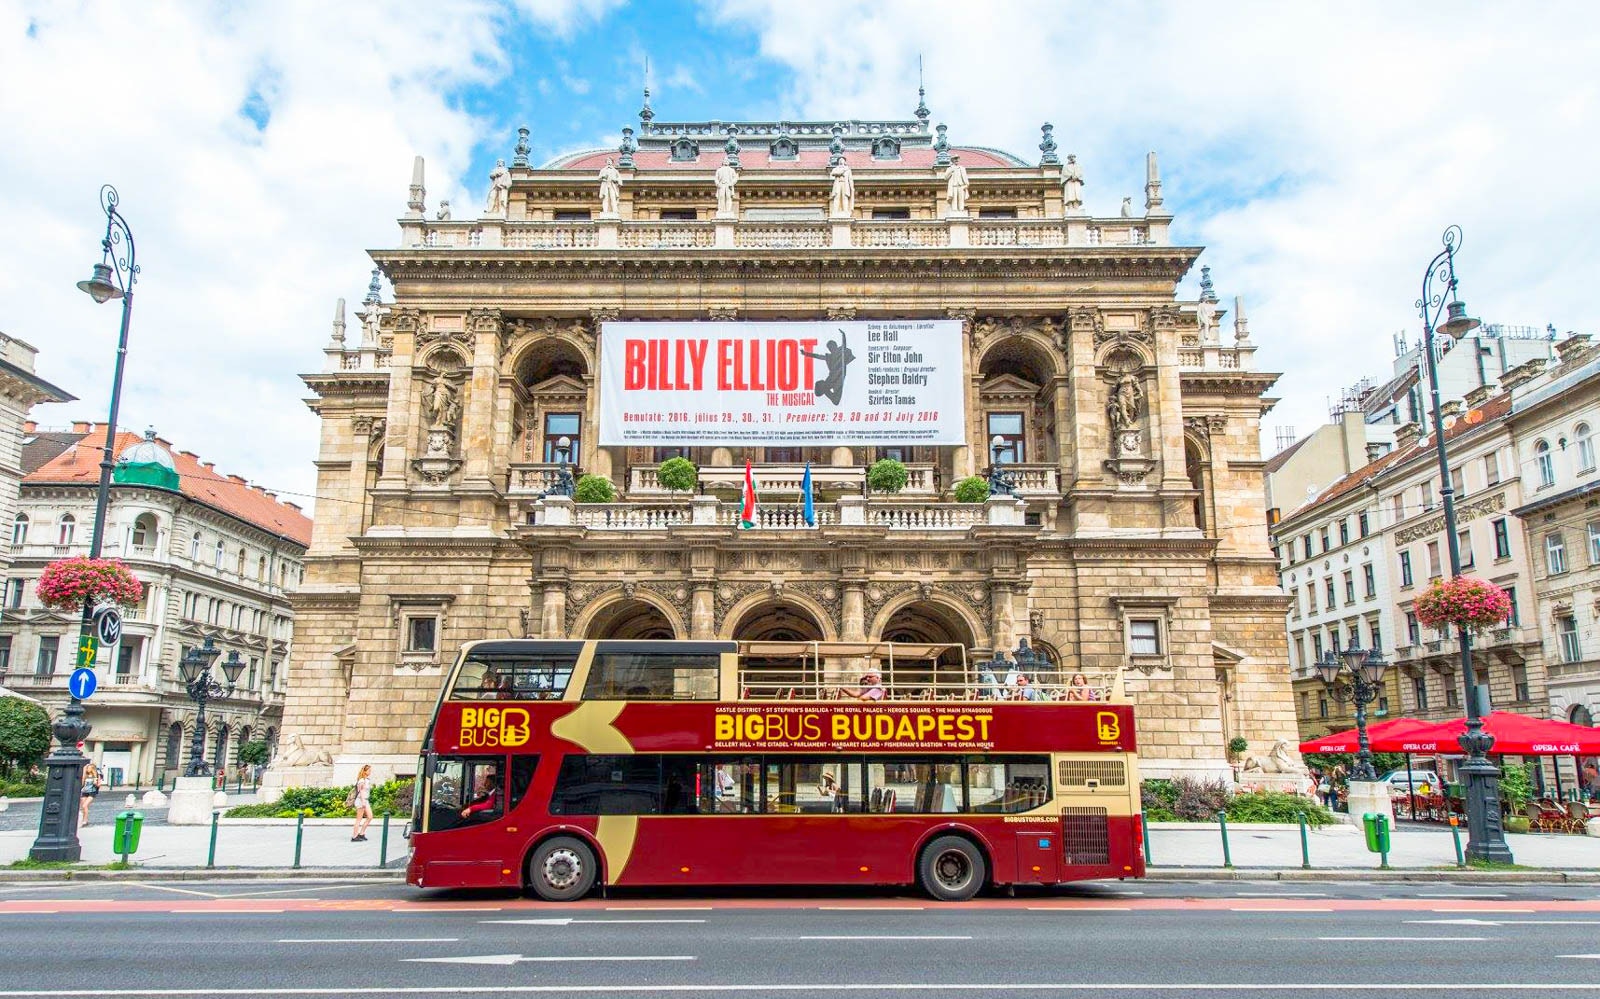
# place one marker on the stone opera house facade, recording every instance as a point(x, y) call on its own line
point(1124, 422)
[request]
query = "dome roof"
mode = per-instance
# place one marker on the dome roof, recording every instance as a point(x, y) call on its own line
point(147, 452)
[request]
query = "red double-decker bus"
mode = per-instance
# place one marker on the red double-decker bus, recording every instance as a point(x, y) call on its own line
point(558, 765)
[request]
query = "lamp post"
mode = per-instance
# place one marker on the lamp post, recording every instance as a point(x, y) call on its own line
point(1355, 676)
point(195, 669)
point(113, 277)
point(564, 484)
point(999, 482)
point(1485, 837)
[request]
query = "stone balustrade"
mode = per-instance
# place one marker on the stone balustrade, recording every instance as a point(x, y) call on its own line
point(708, 511)
point(779, 234)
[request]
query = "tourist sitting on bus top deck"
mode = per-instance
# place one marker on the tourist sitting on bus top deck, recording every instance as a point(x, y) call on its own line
point(491, 686)
point(1025, 690)
point(871, 688)
point(487, 798)
point(1078, 689)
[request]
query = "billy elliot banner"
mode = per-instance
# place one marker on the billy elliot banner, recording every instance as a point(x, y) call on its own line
point(782, 383)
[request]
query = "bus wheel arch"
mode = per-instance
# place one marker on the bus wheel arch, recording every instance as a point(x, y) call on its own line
point(948, 844)
point(572, 853)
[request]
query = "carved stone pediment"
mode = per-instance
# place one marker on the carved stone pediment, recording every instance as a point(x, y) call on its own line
point(1008, 385)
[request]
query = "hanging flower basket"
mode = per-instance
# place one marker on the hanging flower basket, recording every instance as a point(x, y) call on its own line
point(1465, 602)
point(68, 583)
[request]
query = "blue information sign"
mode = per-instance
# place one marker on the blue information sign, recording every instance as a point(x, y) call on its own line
point(83, 683)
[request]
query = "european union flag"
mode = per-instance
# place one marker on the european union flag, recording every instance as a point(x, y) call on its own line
point(809, 508)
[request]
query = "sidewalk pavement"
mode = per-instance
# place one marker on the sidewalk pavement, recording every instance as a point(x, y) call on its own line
point(1174, 847)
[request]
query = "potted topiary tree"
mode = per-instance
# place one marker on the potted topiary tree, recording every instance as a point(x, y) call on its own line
point(594, 489)
point(887, 476)
point(972, 489)
point(1237, 747)
point(678, 475)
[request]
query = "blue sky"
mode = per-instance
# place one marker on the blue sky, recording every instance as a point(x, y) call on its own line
point(262, 147)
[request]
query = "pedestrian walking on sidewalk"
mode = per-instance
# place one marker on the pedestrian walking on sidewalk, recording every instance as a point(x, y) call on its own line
point(91, 790)
point(361, 800)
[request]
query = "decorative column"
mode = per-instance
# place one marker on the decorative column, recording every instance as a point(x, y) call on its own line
point(477, 424)
point(703, 612)
point(553, 611)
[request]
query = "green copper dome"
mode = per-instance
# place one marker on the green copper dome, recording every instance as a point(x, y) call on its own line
point(146, 463)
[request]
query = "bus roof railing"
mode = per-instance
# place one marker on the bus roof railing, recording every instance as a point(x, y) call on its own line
point(910, 651)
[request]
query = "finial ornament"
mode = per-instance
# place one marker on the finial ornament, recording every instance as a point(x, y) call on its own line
point(836, 146)
point(519, 155)
point(417, 198)
point(646, 116)
point(1207, 293)
point(627, 149)
point(1152, 184)
point(1047, 147)
point(941, 146)
point(730, 149)
point(338, 322)
point(374, 289)
point(922, 104)
point(1241, 325)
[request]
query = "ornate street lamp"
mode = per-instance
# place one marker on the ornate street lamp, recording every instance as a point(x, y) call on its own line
point(195, 670)
point(1355, 676)
point(1486, 839)
point(1000, 483)
point(113, 277)
point(564, 484)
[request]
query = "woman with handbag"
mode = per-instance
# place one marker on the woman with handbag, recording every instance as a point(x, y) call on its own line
point(361, 800)
point(91, 790)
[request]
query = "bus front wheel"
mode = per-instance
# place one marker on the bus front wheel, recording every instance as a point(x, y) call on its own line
point(562, 869)
point(951, 869)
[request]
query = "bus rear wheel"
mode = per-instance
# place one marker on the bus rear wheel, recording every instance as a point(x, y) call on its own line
point(562, 869)
point(951, 869)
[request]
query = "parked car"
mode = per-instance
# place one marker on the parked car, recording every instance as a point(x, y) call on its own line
point(1402, 781)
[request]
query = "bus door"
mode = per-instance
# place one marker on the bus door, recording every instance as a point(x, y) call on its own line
point(469, 799)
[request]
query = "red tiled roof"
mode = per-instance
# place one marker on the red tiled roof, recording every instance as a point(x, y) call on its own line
point(80, 463)
point(761, 159)
point(1491, 411)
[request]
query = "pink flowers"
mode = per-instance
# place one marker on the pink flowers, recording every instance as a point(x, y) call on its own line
point(1465, 601)
point(70, 581)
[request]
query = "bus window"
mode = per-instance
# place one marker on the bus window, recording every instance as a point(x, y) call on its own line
point(608, 785)
point(529, 676)
point(812, 785)
point(466, 791)
point(1007, 783)
point(652, 676)
point(522, 768)
point(914, 784)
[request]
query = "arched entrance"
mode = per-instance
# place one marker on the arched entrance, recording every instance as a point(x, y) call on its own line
point(778, 621)
point(930, 623)
point(630, 619)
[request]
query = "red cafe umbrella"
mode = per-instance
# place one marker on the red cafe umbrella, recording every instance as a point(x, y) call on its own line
point(1514, 734)
point(1348, 742)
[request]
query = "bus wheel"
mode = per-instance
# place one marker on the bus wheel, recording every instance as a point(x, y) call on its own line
point(561, 869)
point(951, 869)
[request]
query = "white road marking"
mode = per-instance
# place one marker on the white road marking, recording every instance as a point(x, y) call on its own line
point(1528, 911)
point(224, 912)
point(286, 891)
point(567, 920)
point(29, 912)
point(1470, 894)
point(658, 908)
point(864, 938)
point(182, 891)
point(509, 959)
point(1278, 908)
point(1080, 908)
point(868, 988)
point(1280, 894)
point(870, 908)
point(1510, 922)
point(1411, 939)
point(426, 907)
point(1582, 957)
point(367, 940)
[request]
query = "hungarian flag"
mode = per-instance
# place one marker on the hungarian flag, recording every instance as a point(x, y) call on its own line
point(747, 516)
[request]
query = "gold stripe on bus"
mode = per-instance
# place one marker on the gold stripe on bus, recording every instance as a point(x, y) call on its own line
point(590, 727)
point(616, 834)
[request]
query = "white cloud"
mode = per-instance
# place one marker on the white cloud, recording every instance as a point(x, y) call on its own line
point(246, 235)
point(1317, 151)
point(562, 17)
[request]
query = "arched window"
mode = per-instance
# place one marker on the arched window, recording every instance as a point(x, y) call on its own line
point(194, 547)
point(67, 527)
point(1585, 447)
point(19, 530)
point(175, 746)
point(1545, 463)
point(239, 567)
point(283, 574)
point(261, 568)
point(144, 531)
point(221, 551)
point(1580, 714)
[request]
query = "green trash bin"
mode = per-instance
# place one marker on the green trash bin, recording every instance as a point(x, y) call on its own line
point(125, 834)
point(1376, 827)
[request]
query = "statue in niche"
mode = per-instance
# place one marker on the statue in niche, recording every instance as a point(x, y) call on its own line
point(1126, 403)
point(499, 190)
point(1072, 182)
point(956, 186)
point(441, 404)
point(610, 188)
point(726, 177)
point(842, 200)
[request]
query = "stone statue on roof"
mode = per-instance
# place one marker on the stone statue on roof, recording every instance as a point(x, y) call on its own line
point(443, 215)
point(499, 190)
point(610, 189)
point(1127, 208)
point(842, 200)
point(726, 177)
point(1072, 184)
point(956, 187)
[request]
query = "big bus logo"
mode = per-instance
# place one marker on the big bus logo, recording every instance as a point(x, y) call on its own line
point(1107, 726)
point(493, 728)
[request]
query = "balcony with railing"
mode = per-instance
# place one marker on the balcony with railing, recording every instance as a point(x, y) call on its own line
point(529, 480)
point(896, 514)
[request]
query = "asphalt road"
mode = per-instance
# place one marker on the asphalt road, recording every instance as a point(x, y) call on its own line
point(336, 939)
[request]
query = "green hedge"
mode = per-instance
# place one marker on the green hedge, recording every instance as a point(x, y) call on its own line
point(392, 796)
point(1187, 800)
point(20, 789)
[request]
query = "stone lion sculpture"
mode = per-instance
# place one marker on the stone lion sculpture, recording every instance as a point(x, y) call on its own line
point(300, 755)
point(1280, 760)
